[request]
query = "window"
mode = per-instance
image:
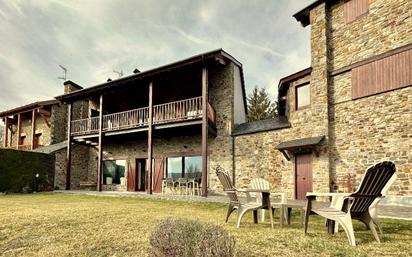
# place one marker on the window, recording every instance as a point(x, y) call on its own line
point(184, 167)
point(174, 167)
point(193, 167)
point(302, 96)
point(113, 172)
point(353, 9)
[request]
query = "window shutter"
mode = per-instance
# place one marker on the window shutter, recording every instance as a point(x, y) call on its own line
point(383, 75)
point(354, 8)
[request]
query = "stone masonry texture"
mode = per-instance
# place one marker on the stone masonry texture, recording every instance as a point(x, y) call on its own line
point(359, 133)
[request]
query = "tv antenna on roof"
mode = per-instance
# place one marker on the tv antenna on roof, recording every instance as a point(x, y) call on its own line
point(65, 73)
point(120, 73)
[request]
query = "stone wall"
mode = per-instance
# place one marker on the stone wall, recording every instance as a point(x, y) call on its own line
point(58, 123)
point(221, 92)
point(256, 156)
point(386, 26)
point(359, 133)
point(372, 129)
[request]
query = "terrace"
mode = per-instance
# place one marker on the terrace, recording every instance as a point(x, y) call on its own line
point(170, 114)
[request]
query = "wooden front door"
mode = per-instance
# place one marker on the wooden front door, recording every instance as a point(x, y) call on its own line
point(131, 176)
point(158, 175)
point(303, 175)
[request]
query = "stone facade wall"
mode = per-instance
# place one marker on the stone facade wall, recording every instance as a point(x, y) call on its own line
point(60, 170)
point(359, 133)
point(256, 156)
point(221, 95)
point(386, 26)
point(58, 123)
point(372, 129)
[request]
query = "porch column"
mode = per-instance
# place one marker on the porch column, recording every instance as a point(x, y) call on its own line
point(100, 153)
point(33, 127)
point(204, 130)
point(150, 141)
point(69, 142)
point(6, 131)
point(18, 130)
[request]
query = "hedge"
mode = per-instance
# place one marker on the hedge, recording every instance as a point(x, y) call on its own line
point(19, 168)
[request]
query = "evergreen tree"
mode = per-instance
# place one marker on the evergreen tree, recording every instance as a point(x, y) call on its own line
point(259, 105)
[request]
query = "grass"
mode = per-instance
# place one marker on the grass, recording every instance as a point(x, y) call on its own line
point(47, 224)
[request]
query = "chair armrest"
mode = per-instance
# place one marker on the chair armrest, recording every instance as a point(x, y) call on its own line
point(326, 194)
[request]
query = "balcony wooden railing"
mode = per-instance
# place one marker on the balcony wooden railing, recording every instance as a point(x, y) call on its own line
point(127, 119)
point(178, 110)
point(89, 125)
point(163, 113)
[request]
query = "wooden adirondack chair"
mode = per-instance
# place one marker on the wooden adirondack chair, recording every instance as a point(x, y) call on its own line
point(357, 204)
point(373, 209)
point(234, 201)
point(260, 183)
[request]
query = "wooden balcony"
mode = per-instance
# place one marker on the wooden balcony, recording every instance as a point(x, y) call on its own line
point(172, 112)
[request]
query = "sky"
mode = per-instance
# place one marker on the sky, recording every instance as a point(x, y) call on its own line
point(93, 38)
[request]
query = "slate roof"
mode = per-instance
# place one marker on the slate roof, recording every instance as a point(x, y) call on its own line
point(260, 126)
point(308, 141)
point(51, 148)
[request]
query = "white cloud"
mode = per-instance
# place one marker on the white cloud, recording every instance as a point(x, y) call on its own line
point(92, 38)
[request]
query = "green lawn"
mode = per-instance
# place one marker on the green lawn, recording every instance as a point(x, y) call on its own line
point(77, 225)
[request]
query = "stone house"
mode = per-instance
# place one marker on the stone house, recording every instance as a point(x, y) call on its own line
point(179, 115)
point(350, 109)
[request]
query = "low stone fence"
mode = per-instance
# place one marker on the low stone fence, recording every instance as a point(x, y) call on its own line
point(23, 171)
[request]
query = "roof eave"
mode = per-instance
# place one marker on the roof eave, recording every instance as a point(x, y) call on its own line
point(152, 72)
point(28, 107)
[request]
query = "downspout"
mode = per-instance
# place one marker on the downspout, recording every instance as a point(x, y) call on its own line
point(233, 161)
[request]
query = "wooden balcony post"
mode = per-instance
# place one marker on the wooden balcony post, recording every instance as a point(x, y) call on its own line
point(69, 142)
point(204, 130)
point(18, 130)
point(100, 147)
point(6, 132)
point(33, 128)
point(149, 140)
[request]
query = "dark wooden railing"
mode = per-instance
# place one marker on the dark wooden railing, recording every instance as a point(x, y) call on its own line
point(176, 111)
point(125, 120)
point(89, 125)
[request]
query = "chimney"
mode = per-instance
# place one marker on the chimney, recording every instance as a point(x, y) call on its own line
point(70, 86)
point(136, 71)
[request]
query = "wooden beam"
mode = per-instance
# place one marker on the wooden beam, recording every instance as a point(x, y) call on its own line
point(100, 150)
point(204, 130)
point(68, 151)
point(33, 128)
point(44, 112)
point(6, 131)
point(150, 140)
point(285, 154)
point(45, 118)
point(18, 130)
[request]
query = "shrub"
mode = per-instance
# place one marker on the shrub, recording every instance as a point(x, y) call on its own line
point(187, 238)
point(19, 168)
